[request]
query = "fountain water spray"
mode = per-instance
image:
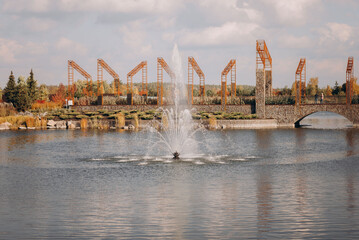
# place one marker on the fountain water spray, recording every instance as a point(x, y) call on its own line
point(177, 129)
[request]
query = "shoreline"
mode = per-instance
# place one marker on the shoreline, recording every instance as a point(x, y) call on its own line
point(106, 124)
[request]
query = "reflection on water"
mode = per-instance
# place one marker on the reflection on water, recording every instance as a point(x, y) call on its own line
point(325, 120)
point(261, 184)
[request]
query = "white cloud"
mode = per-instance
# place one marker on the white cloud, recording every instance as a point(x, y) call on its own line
point(229, 9)
point(292, 12)
point(8, 50)
point(135, 39)
point(67, 45)
point(228, 33)
point(336, 31)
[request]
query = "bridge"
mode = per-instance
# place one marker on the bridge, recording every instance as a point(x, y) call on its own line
point(291, 115)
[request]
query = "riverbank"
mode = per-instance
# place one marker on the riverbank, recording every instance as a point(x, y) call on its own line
point(134, 124)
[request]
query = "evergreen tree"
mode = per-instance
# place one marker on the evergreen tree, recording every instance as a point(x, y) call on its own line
point(22, 101)
point(32, 88)
point(9, 93)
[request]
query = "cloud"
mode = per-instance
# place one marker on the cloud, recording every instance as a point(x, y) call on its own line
point(229, 33)
point(230, 9)
point(26, 5)
point(39, 24)
point(8, 50)
point(336, 32)
point(67, 45)
point(291, 41)
point(293, 12)
point(91, 5)
point(134, 39)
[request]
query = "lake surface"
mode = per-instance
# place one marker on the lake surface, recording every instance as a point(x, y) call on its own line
point(246, 184)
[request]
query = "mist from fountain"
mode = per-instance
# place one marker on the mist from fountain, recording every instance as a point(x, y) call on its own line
point(175, 133)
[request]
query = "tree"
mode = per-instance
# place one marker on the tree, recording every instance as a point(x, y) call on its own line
point(60, 94)
point(43, 93)
point(33, 92)
point(9, 93)
point(328, 91)
point(210, 93)
point(22, 100)
point(312, 88)
point(355, 86)
point(337, 89)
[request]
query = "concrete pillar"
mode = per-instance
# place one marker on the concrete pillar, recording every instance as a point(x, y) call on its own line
point(260, 94)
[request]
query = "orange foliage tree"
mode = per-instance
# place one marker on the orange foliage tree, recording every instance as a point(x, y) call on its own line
point(60, 95)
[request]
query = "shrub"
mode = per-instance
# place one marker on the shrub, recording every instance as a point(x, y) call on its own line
point(130, 116)
point(90, 113)
point(355, 99)
point(146, 117)
point(81, 116)
point(64, 117)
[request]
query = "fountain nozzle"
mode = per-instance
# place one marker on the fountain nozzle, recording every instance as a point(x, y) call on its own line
point(176, 155)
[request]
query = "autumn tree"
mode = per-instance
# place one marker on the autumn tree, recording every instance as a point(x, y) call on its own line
point(60, 95)
point(312, 87)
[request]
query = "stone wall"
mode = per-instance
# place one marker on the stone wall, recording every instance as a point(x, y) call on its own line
point(245, 109)
point(268, 83)
point(260, 94)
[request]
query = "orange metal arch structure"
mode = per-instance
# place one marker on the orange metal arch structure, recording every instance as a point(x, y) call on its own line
point(192, 65)
point(231, 67)
point(264, 59)
point(71, 66)
point(161, 64)
point(142, 65)
point(101, 64)
point(300, 80)
point(349, 79)
point(264, 62)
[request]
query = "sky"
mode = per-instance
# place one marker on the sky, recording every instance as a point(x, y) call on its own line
point(44, 34)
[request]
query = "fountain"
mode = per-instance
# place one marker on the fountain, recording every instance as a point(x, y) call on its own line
point(175, 132)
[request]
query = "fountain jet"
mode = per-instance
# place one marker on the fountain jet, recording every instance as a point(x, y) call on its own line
point(176, 155)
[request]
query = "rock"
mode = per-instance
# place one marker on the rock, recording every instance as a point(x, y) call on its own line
point(60, 124)
point(223, 127)
point(5, 126)
point(31, 128)
point(71, 125)
point(51, 123)
point(131, 127)
point(113, 128)
point(125, 127)
point(22, 128)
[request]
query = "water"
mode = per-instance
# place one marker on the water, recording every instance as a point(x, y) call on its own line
point(175, 132)
point(261, 184)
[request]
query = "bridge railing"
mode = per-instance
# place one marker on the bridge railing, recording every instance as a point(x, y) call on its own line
point(216, 100)
point(280, 100)
point(325, 100)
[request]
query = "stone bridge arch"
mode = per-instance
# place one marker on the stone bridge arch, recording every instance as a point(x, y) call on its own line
point(291, 115)
point(307, 110)
point(297, 120)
